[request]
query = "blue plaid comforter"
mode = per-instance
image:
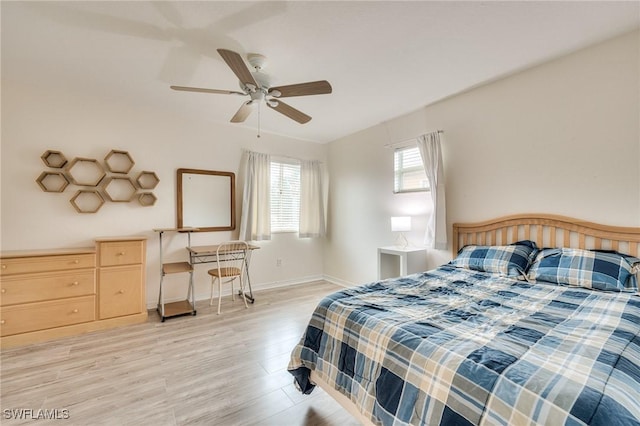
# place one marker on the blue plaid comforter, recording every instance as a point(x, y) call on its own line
point(458, 347)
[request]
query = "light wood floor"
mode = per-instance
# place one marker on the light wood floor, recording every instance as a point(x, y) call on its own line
point(205, 369)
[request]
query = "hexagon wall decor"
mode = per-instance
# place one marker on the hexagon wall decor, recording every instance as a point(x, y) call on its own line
point(54, 159)
point(87, 201)
point(147, 199)
point(52, 181)
point(85, 171)
point(147, 180)
point(112, 177)
point(118, 161)
point(119, 189)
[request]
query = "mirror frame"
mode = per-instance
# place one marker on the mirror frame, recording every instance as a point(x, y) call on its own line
point(232, 201)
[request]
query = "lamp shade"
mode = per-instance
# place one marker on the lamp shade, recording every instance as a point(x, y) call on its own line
point(401, 224)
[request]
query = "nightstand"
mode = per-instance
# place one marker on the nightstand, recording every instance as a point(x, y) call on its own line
point(395, 261)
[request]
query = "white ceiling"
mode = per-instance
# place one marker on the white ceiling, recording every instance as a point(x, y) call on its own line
point(383, 59)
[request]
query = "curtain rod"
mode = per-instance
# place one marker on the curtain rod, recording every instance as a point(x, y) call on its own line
point(407, 141)
point(282, 156)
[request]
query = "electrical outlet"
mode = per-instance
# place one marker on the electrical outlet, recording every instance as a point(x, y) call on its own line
point(278, 262)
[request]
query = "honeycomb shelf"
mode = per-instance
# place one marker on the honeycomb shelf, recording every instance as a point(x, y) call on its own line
point(52, 181)
point(118, 161)
point(147, 180)
point(54, 159)
point(96, 181)
point(87, 201)
point(147, 199)
point(119, 189)
point(85, 171)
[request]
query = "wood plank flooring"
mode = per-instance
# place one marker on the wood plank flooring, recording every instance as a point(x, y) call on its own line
point(209, 369)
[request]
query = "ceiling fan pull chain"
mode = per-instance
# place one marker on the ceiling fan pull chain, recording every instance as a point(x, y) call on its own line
point(259, 119)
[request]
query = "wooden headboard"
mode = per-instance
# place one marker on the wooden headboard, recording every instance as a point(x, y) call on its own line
point(547, 231)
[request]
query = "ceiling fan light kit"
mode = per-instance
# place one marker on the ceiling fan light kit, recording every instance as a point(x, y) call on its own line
point(257, 85)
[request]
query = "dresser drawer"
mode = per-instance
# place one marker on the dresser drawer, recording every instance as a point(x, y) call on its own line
point(120, 291)
point(121, 253)
point(43, 315)
point(46, 286)
point(22, 265)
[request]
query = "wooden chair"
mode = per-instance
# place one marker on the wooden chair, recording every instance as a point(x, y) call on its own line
point(231, 260)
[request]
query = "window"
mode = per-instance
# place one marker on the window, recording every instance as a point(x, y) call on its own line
point(408, 169)
point(285, 197)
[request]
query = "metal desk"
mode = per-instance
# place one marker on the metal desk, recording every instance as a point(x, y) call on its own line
point(207, 254)
point(183, 307)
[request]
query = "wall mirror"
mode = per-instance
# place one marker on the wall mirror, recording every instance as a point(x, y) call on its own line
point(206, 200)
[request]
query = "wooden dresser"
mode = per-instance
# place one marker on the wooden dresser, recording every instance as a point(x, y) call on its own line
point(54, 293)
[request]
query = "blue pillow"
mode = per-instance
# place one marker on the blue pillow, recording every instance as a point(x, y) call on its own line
point(509, 261)
point(632, 283)
point(609, 271)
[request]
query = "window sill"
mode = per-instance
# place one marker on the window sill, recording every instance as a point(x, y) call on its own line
point(407, 191)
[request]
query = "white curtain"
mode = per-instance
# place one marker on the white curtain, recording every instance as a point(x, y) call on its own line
point(312, 200)
point(431, 153)
point(255, 222)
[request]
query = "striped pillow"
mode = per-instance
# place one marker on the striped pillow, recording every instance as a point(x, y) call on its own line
point(609, 271)
point(509, 261)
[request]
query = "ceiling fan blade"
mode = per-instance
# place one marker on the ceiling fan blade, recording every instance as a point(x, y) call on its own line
point(321, 87)
point(238, 66)
point(290, 112)
point(197, 89)
point(243, 112)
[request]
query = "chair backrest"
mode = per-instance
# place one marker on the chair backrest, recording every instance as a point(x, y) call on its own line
point(231, 256)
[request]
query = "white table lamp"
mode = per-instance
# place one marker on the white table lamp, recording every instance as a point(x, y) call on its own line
point(401, 224)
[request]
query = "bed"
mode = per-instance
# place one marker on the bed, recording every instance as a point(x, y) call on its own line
point(535, 321)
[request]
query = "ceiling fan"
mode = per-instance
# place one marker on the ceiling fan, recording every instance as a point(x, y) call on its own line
point(257, 86)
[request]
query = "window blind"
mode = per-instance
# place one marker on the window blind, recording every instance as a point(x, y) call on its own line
point(285, 197)
point(408, 169)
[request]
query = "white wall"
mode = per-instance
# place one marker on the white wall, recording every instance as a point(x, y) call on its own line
point(562, 138)
point(559, 138)
point(36, 118)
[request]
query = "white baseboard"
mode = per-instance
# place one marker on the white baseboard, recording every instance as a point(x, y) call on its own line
point(286, 283)
point(226, 291)
point(338, 281)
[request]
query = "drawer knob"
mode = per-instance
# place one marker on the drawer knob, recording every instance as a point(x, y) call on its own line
point(4, 290)
point(4, 266)
point(75, 311)
point(75, 283)
point(76, 261)
point(121, 253)
point(120, 291)
point(2, 321)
